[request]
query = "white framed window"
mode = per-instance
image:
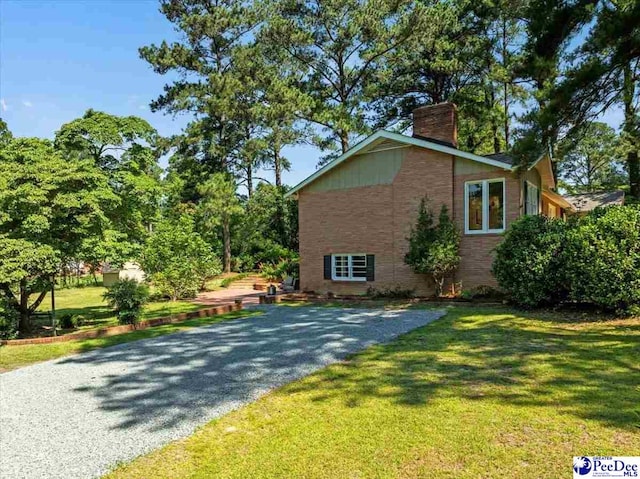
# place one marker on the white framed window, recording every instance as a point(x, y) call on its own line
point(349, 267)
point(531, 199)
point(484, 209)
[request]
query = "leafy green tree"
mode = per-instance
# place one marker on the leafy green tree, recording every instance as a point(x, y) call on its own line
point(336, 45)
point(178, 260)
point(5, 134)
point(124, 149)
point(592, 161)
point(600, 71)
point(434, 249)
point(213, 85)
point(462, 52)
point(218, 206)
point(49, 207)
point(103, 137)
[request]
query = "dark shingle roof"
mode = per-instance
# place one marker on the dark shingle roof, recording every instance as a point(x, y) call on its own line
point(590, 201)
point(503, 157)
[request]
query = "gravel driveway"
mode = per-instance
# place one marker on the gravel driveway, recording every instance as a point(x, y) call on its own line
point(77, 417)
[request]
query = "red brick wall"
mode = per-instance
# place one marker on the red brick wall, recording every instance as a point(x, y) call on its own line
point(377, 220)
point(476, 249)
point(373, 220)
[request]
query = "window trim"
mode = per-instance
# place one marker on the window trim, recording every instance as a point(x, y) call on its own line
point(485, 206)
point(538, 198)
point(349, 266)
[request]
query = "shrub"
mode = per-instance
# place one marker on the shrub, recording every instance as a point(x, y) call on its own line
point(528, 262)
point(390, 293)
point(70, 321)
point(8, 319)
point(127, 297)
point(178, 260)
point(602, 258)
point(483, 292)
point(283, 268)
point(434, 249)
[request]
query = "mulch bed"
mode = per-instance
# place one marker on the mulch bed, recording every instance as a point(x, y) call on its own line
point(125, 328)
point(317, 298)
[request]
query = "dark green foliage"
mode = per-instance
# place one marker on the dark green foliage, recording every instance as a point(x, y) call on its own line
point(528, 262)
point(70, 321)
point(8, 318)
point(594, 259)
point(396, 292)
point(288, 266)
point(602, 259)
point(178, 260)
point(127, 297)
point(434, 249)
point(483, 292)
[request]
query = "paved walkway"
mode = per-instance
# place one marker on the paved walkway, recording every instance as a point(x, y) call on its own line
point(228, 295)
point(77, 417)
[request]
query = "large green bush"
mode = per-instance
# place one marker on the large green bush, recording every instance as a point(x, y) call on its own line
point(528, 262)
point(602, 258)
point(127, 297)
point(178, 260)
point(593, 259)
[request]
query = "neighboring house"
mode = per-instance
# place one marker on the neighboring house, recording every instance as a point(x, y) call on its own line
point(585, 202)
point(356, 212)
point(129, 270)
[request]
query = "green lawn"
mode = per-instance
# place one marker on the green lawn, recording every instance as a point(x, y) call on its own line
point(12, 357)
point(88, 302)
point(482, 392)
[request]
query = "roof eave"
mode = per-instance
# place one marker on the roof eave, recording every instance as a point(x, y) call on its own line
point(402, 139)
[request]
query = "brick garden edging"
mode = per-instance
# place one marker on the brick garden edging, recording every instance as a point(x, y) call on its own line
point(125, 328)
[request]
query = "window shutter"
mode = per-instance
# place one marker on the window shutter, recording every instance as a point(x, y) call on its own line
point(327, 266)
point(525, 197)
point(371, 267)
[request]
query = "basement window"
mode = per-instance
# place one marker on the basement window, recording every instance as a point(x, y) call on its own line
point(349, 267)
point(484, 210)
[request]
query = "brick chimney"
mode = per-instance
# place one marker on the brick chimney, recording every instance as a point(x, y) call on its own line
point(436, 122)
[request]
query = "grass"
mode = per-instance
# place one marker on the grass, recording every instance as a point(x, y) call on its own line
point(12, 357)
point(479, 393)
point(88, 302)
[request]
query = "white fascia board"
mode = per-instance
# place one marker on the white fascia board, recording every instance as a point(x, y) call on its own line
point(408, 140)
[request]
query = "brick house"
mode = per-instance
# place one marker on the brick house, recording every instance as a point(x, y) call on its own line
point(356, 212)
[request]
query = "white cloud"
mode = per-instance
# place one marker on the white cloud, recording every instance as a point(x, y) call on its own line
point(27, 103)
point(142, 107)
point(3, 104)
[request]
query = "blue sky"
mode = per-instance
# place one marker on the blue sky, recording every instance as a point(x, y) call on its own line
point(59, 58)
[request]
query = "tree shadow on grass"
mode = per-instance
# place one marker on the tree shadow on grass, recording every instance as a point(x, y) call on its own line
point(590, 369)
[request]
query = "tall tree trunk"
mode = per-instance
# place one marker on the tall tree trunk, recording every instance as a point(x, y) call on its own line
point(344, 140)
point(630, 127)
point(24, 324)
point(505, 62)
point(226, 239)
point(250, 180)
point(277, 167)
